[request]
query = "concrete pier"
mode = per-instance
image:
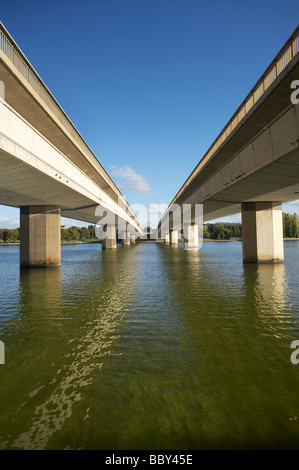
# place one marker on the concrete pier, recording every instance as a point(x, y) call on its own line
point(40, 238)
point(173, 237)
point(110, 242)
point(191, 237)
point(126, 238)
point(262, 232)
point(166, 238)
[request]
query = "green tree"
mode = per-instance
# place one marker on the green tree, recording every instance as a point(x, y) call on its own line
point(10, 235)
point(14, 235)
point(84, 233)
point(295, 226)
point(91, 229)
point(206, 233)
point(5, 235)
point(290, 225)
point(237, 233)
point(74, 233)
point(65, 234)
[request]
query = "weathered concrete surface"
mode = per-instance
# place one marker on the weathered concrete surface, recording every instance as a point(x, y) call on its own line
point(40, 238)
point(191, 237)
point(110, 242)
point(262, 232)
point(173, 237)
point(126, 238)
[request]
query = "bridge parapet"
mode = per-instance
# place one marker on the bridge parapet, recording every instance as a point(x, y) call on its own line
point(22, 64)
point(81, 154)
point(286, 54)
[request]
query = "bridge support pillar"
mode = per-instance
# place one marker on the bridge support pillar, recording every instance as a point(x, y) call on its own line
point(166, 239)
point(173, 237)
point(133, 239)
point(262, 232)
point(110, 241)
point(191, 237)
point(40, 236)
point(126, 238)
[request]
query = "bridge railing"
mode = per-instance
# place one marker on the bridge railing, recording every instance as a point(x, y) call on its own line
point(280, 62)
point(19, 60)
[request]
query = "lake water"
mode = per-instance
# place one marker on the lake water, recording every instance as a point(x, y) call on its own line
point(149, 347)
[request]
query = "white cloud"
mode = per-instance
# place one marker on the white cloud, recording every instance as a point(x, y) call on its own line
point(235, 219)
point(7, 222)
point(131, 181)
point(291, 207)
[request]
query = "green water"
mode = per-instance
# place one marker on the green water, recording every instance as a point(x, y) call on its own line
point(149, 347)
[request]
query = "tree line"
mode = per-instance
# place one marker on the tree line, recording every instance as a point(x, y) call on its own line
point(290, 225)
point(226, 231)
point(78, 234)
point(67, 234)
point(11, 235)
point(222, 231)
point(218, 231)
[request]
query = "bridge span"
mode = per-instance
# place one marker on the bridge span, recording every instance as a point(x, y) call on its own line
point(47, 168)
point(253, 165)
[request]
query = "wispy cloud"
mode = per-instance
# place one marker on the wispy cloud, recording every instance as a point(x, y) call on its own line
point(6, 222)
point(130, 180)
point(291, 207)
point(232, 219)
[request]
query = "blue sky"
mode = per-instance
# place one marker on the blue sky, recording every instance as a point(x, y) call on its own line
point(149, 84)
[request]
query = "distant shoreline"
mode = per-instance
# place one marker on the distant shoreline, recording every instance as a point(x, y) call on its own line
point(152, 241)
point(62, 243)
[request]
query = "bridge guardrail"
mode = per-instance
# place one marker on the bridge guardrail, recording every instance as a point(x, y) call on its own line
point(279, 63)
point(19, 60)
point(22, 64)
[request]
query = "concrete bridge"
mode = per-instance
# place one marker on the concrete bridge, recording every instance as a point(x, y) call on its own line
point(253, 165)
point(47, 169)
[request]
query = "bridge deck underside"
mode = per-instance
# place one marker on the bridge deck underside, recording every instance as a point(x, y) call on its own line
point(28, 104)
point(258, 161)
point(276, 182)
point(23, 185)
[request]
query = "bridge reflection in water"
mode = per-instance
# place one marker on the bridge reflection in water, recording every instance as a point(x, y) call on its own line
point(149, 347)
